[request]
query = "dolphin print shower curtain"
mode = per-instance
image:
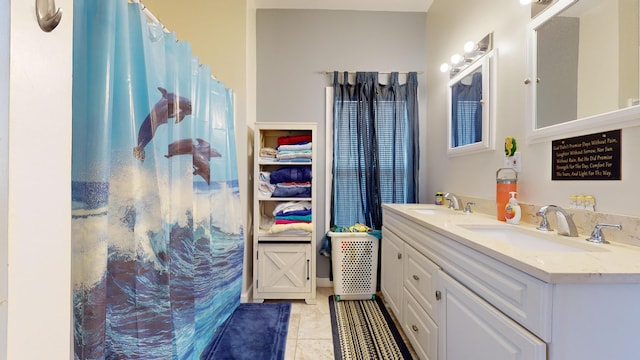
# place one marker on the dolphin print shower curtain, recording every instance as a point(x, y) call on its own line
point(157, 234)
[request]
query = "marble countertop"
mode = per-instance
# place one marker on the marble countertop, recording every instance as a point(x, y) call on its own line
point(554, 259)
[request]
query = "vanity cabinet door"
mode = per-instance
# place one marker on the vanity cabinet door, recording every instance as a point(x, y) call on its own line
point(470, 328)
point(391, 260)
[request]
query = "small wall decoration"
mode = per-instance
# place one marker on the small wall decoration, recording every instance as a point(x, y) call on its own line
point(588, 157)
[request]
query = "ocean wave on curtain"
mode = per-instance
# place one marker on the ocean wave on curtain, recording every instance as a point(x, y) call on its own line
point(157, 235)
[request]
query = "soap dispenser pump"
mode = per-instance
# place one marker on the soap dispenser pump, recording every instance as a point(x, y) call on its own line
point(512, 211)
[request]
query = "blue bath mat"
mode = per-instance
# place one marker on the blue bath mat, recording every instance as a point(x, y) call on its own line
point(253, 331)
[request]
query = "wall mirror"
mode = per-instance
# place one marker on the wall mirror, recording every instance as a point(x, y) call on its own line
point(539, 6)
point(584, 68)
point(471, 107)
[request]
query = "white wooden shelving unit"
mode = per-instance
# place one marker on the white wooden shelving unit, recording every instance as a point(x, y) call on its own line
point(284, 263)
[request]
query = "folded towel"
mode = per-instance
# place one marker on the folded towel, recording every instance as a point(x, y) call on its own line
point(284, 192)
point(293, 155)
point(294, 212)
point(280, 152)
point(283, 221)
point(296, 159)
point(292, 206)
point(300, 218)
point(278, 228)
point(268, 152)
point(265, 189)
point(295, 139)
point(300, 173)
point(295, 147)
point(294, 184)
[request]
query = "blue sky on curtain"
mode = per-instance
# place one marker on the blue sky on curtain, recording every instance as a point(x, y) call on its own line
point(375, 146)
point(157, 226)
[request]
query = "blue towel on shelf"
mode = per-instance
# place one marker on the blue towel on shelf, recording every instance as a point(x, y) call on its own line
point(291, 174)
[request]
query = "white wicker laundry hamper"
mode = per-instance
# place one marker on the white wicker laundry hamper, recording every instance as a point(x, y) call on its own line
point(354, 257)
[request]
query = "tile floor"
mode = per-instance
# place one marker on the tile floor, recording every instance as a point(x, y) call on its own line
point(309, 336)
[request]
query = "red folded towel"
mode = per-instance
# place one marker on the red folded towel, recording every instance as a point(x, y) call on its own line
point(295, 139)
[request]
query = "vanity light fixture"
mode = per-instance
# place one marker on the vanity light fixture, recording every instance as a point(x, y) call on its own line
point(472, 52)
point(469, 46)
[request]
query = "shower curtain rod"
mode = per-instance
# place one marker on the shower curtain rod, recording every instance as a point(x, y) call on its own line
point(150, 15)
point(155, 20)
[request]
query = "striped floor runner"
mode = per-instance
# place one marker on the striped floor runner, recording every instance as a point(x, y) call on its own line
point(363, 329)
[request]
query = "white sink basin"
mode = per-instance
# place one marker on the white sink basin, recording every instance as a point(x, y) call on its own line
point(434, 211)
point(529, 240)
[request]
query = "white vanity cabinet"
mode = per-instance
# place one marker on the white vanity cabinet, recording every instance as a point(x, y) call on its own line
point(442, 318)
point(463, 299)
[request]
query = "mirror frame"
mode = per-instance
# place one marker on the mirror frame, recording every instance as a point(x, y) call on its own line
point(488, 64)
point(616, 119)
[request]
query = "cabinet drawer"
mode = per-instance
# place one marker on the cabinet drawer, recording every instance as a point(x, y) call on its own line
point(419, 279)
point(420, 329)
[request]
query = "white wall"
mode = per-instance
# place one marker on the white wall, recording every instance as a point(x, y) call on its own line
point(295, 47)
point(4, 169)
point(450, 23)
point(39, 204)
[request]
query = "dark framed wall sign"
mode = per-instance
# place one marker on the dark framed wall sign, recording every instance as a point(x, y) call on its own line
point(587, 157)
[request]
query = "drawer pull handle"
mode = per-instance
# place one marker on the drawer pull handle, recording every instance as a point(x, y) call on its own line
point(415, 277)
point(414, 328)
point(399, 256)
point(438, 295)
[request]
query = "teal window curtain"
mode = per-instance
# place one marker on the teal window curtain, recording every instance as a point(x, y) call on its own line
point(375, 147)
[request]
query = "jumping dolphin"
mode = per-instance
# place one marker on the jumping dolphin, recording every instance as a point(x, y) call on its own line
point(201, 152)
point(180, 147)
point(169, 106)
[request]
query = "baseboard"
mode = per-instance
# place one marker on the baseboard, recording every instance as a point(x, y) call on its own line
point(246, 296)
point(324, 282)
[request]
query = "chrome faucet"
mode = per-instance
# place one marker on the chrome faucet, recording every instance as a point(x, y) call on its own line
point(467, 208)
point(597, 236)
point(566, 226)
point(454, 203)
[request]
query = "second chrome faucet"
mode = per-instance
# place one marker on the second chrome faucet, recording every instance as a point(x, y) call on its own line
point(454, 203)
point(565, 223)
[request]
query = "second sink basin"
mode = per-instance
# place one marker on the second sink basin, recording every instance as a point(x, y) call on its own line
point(436, 210)
point(530, 240)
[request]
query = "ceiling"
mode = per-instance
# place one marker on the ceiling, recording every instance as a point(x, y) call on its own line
point(367, 5)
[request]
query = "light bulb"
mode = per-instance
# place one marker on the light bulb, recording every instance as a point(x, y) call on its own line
point(444, 67)
point(456, 58)
point(469, 46)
